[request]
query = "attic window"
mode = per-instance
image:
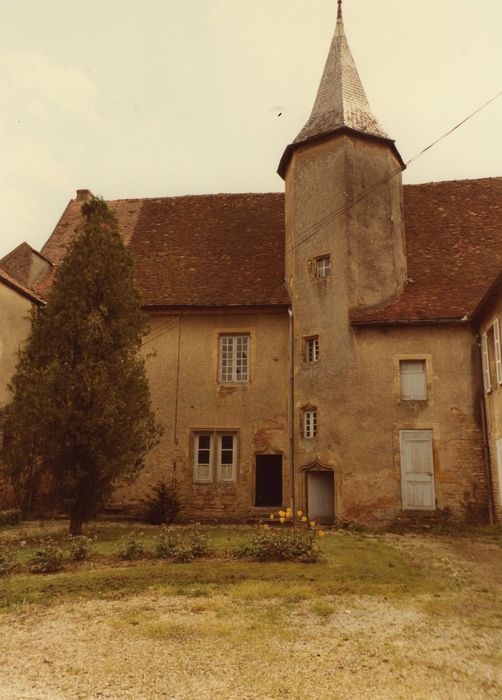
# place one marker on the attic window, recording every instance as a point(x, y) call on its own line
point(322, 267)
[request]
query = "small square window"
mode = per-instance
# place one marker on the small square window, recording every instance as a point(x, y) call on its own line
point(413, 380)
point(323, 267)
point(310, 423)
point(312, 349)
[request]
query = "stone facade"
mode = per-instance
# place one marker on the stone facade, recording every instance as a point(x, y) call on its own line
point(319, 350)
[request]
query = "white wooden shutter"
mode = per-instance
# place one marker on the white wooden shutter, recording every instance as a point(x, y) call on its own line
point(413, 380)
point(417, 470)
point(498, 355)
point(499, 465)
point(486, 363)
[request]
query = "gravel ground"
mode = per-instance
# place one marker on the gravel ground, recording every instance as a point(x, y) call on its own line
point(149, 646)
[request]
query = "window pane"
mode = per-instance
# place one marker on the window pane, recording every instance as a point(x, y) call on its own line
point(204, 442)
point(227, 442)
point(203, 472)
point(203, 457)
point(323, 266)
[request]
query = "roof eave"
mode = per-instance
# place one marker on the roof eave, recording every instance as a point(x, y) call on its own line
point(287, 155)
point(23, 291)
point(410, 322)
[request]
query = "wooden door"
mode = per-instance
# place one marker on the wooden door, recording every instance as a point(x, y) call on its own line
point(417, 470)
point(321, 495)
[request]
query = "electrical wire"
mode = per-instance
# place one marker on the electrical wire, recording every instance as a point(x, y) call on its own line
point(315, 228)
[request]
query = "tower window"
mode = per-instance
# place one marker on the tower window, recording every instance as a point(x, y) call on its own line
point(311, 349)
point(323, 267)
point(310, 423)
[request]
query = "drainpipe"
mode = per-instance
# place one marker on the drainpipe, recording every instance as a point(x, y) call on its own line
point(176, 404)
point(292, 414)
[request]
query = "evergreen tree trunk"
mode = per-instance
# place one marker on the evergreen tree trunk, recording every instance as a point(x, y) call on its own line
point(75, 526)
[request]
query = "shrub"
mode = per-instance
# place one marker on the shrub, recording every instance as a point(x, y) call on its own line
point(12, 516)
point(181, 544)
point(162, 505)
point(47, 558)
point(79, 547)
point(280, 544)
point(131, 547)
point(7, 559)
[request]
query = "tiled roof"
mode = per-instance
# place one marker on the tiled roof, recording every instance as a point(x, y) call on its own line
point(7, 279)
point(228, 249)
point(341, 102)
point(454, 251)
point(25, 264)
point(205, 250)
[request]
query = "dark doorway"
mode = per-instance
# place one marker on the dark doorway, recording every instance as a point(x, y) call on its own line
point(268, 480)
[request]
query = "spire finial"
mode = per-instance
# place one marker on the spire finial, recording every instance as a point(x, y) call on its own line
point(339, 15)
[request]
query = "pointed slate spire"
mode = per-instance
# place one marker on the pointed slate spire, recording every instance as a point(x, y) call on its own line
point(341, 101)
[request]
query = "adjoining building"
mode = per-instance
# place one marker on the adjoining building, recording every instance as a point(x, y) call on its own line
point(336, 348)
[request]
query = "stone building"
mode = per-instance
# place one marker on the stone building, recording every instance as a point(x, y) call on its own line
point(325, 348)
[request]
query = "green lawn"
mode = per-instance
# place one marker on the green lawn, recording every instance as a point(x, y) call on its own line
point(350, 563)
point(380, 616)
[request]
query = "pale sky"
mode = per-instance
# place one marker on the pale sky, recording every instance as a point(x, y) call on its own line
point(169, 97)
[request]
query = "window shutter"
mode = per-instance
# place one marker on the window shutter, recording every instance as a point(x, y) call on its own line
point(486, 362)
point(413, 380)
point(498, 355)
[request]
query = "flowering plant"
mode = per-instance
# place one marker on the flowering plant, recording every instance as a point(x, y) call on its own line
point(293, 543)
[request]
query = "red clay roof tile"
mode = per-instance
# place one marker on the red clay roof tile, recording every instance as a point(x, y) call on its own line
point(454, 249)
point(204, 250)
point(228, 249)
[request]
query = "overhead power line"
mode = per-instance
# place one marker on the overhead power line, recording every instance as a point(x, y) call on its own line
point(315, 228)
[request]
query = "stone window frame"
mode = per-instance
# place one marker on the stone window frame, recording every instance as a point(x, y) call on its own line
point(397, 359)
point(416, 393)
point(215, 455)
point(309, 422)
point(237, 375)
point(311, 348)
point(322, 271)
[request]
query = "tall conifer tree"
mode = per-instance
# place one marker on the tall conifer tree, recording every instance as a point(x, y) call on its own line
point(81, 414)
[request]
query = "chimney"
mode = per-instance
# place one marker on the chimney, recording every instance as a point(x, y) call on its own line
point(84, 195)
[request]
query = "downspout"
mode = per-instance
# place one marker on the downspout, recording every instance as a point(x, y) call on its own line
point(291, 414)
point(176, 404)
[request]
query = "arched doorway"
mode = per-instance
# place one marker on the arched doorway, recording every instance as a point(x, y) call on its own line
point(319, 492)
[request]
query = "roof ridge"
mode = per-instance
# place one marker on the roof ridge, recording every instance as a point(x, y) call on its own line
point(193, 196)
point(445, 182)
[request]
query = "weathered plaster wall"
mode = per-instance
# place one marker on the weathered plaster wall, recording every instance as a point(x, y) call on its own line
point(360, 420)
point(14, 329)
point(354, 385)
point(187, 396)
point(368, 238)
point(493, 403)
